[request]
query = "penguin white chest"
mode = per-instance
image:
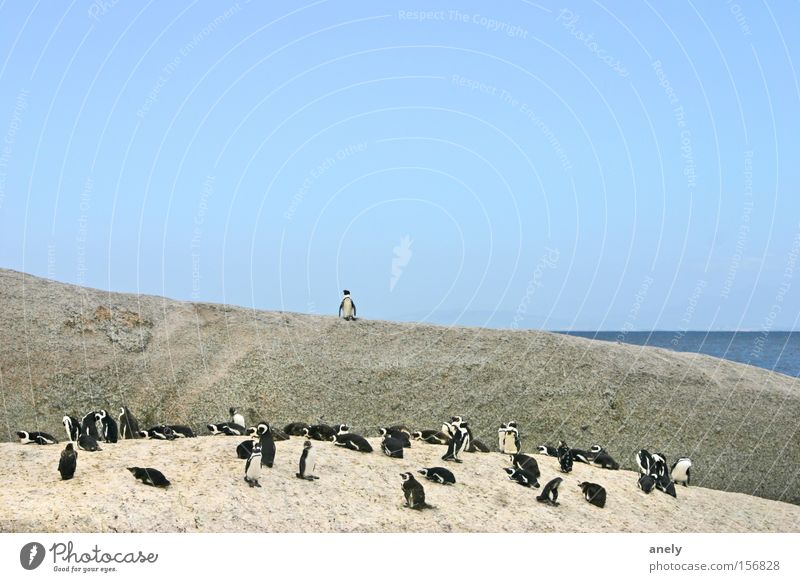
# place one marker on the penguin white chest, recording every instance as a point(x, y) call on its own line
point(347, 307)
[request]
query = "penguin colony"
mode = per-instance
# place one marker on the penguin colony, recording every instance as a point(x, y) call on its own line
point(259, 451)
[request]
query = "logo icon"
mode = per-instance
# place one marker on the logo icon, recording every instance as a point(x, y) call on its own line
point(402, 255)
point(31, 555)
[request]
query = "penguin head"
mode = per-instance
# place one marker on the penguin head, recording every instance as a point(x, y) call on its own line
point(143, 433)
point(456, 419)
point(416, 435)
point(383, 431)
point(122, 410)
point(595, 449)
point(563, 445)
point(423, 472)
point(66, 421)
point(342, 428)
point(512, 424)
point(263, 428)
point(503, 426)
point(407, 476)
point(232, 411)
point(306, 445)
point(306, 433)
point(346, 293)
point(99, 415)
point(69, 447)
point(257, 448)
point(252, 431)
point(23, 435)
point(332, 439)
point(510, 471)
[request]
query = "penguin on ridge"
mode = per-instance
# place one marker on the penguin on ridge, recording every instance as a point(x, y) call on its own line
point(267, 444)
point(347, 307)
point(564, 457)
point(37, 437)
point(236, 418)
point(150, 476)
point(509, 440)
point(89, 425)
point(548, 450)
point(432, 437)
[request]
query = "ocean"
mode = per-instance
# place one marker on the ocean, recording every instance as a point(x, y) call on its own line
point(778, 351)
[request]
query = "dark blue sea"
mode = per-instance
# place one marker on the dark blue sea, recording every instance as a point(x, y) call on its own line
point(778, 351)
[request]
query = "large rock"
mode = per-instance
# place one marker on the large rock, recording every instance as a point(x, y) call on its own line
point(65, 349)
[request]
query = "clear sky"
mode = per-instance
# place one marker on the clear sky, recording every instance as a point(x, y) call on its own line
point(571, 165)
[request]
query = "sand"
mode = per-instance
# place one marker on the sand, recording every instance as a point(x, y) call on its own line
point(356, 492)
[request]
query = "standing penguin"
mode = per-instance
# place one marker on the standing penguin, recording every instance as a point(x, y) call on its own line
point(252, 469)
point(128, 425)
point(680, 471)
point(89, 425)
point(508, 436)
point(461, 438)
point(73, 427)
point(109, 425)
point(550, 492)
point(347, 307)
point(306, 463)
point(267, 444)
point(564, 457)
point(414, 492)
point(236, 418)
point(68, 462)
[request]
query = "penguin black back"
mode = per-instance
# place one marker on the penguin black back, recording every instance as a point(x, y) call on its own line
point(68, 462)
point(267, 444)
point(550, 492)
point(128, 425)
point(150, 476)
point(594, 493)
point(109, 426)
point(414, 492)
point(438, 475)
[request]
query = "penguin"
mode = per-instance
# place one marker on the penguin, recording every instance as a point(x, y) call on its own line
point(564, 457)
point(68, 462)
point(89, 425)
point(501, 436)
point(660, 467)
point(645, 462)
point(476, 446)
point(244, 449)
point(522, 477)
point(150, 476)
point(432, 437)
point(604, 460)
point(400, 428)
point(181, 432)
point(594, 493)
point(680, 472)
point(646, 483)
point(525, 463)
point(414, 492)
point(236, 418)
point(39, 438)
point(550, 492)
point(267, 444)
point(306, 463)
point(109, 426)
point(665, 484)
point(295, 428)
point(580, 455)
point(128, 425)
point(399, 435)
point(462, 438)
point(392, 447)
point(87, 442)
point(252, 469)
point(278, 434)
point(354, 442)
point(508, 435)
point(438, 475)
point(160, 433)
point(227, 428)
point(548, 450)
point(72, 426)
point(319, 432)
point(347, 307)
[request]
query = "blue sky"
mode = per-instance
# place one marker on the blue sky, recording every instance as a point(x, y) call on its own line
point(562, 165)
